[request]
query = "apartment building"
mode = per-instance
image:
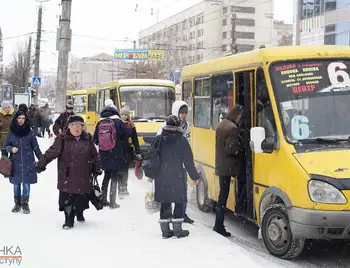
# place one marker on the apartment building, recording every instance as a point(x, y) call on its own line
point(204, 31)
point(1, 56)
point(321, 22)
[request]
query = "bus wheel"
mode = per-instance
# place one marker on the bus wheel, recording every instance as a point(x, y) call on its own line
point(277, 235)
point(203, 201)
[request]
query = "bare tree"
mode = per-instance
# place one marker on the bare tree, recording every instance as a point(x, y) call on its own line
point(146, 70)
point(73, 70)
point(286, 40)
point(17, 72)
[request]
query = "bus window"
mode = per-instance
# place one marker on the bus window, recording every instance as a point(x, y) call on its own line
point(92, 103)
point(264, 113)
point(202, 103)
point(222, 99)
point(100, 101)
point(187, 97)
point(79, 102)
point(113, 96)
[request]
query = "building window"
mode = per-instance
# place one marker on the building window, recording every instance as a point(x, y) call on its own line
point(202, 103)
point(224, 22)
point(224, 35)
point(199, 58)
point(244, 48)
point(200, 44)
point(245, 22)
point(329, 39)
point(224, 10)
point(245, 35)
point(249, 10)
point(331, 5)
point(330, 28)
point(222, 97)
point(224, 48)
point(200, 33)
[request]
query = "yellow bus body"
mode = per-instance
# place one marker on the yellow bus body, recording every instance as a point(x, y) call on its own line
point(279, 179)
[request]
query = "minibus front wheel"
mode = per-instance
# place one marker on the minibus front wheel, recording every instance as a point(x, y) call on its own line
point(277, 235)
point(203, 201)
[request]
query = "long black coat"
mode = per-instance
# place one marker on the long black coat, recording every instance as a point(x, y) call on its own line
point(113, 160)
point(175, 153)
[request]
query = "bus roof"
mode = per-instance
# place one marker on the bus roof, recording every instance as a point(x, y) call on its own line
point(265, 56)
point(130, 82)
point(77, 92)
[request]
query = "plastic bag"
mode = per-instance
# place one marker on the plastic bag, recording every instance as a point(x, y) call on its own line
point(151, 205)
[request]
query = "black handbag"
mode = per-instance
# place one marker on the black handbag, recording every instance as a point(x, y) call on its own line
point(151, 161)
point(96, 195)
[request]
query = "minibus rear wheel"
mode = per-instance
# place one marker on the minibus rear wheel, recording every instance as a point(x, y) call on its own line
point(203, 201)
point(277, 235)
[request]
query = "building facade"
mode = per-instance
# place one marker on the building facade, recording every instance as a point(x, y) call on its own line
point(1, 57)
point(208, 30)
point(322, 22)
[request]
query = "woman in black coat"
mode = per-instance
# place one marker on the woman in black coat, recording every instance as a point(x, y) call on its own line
point(170, 183)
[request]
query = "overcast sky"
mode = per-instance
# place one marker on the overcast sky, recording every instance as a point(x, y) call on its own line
point(95, 24)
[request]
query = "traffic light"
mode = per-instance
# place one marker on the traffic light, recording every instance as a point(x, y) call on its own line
point(32, 92)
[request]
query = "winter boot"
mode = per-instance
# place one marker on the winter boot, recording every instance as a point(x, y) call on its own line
point(104, 196)
point(126, 192)
point(219, 222)
point(177, 228)
point(69, 218)
point(165, 227)
point(17, 206)
point(113, 195)
point(188, 219)
point(25, 206)
point(120, 190)
point(80, 216)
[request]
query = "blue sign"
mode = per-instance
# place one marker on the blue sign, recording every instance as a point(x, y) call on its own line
point(131, 54)
point(36, 81)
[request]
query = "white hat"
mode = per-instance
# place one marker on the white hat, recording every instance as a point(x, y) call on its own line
point(109, 103)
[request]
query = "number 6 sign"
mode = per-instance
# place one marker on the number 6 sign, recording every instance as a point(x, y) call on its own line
point(341, 72)
point(300, 127)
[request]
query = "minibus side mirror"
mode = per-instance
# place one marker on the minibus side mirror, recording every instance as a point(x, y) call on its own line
point(258, 141)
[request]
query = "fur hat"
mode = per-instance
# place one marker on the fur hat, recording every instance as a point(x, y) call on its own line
point(75, 119)
point(6, 104)
point(173, 120)
point(23, 107)
point(69, 105)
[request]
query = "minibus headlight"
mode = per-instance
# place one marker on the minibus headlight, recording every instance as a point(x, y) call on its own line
point(323, 192)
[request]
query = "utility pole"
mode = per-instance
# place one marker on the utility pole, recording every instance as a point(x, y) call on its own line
point(37, 52)
point(135, 67)
point(29, 62)
point(233, 34)
point(64, 36)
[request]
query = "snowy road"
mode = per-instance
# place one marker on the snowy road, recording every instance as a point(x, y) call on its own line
point(128, 236)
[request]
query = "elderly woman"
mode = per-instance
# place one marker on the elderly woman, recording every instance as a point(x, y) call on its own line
point(78, 162)
point(21, 142)
point(6, 114)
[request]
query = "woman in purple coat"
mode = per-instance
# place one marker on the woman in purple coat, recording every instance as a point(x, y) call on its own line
point(21, 143)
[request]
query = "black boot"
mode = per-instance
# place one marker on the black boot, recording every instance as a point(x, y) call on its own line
point(25, 206)
point(219, 222)
point(113, 195)
point(69, 218)
point(188, 219)
point(177, 228)
point(165, 227)
point(104, 200)
point(17, 206)
point(80, 216)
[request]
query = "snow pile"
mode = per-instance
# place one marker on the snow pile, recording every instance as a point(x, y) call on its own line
point(109, 238)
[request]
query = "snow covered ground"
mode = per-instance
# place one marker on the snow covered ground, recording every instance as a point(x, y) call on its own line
point(109, 238)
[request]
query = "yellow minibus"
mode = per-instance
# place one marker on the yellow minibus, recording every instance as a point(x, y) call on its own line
point(297, 139)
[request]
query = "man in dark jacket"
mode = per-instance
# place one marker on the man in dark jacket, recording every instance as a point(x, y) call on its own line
point(61, 122)
point(109, 135)
point(228, 160)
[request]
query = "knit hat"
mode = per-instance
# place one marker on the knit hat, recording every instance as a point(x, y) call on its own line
point(75, 119)
point(125, 110)
point(69, 105)
point(23, 107)
point(6, 104)
point(173, 120)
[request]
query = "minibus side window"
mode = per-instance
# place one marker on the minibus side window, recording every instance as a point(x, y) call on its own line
point(91, 102)
point(187, 97)
point(202, 103)
point(101, 100)
point(222, 97)
point(264, 113)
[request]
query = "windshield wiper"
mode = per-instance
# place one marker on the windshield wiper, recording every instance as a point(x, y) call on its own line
point(323, 140)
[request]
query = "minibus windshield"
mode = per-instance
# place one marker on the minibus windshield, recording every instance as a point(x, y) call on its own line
point(314, 99)
point(79, 102)
point(147, 102)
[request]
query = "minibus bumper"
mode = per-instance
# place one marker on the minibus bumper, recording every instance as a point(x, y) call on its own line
point(319, 224)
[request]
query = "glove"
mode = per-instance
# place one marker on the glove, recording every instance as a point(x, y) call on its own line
point(98, 172)
point(39, 170)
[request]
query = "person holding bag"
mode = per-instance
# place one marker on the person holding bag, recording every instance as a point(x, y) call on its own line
point(21, 143)
point(78, 164)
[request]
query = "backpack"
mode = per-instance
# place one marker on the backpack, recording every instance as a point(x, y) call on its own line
point(107, 135)
point(151, 161)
